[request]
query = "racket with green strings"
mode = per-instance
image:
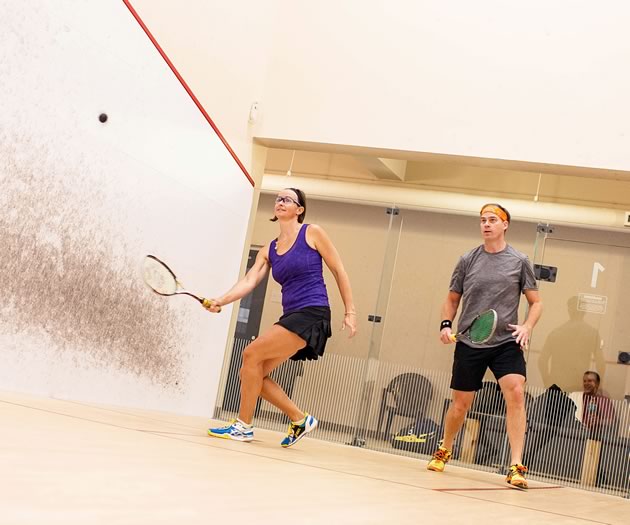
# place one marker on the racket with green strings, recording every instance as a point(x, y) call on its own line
point(481, 329)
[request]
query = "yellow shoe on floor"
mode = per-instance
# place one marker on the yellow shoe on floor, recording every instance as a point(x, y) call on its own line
point(516, 476)
point(440, 458)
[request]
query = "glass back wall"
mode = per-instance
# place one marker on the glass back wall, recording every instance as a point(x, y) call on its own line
point(388, 388)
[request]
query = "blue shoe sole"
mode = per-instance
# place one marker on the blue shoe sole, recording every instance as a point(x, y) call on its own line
point(230, 436)
point(313, 427)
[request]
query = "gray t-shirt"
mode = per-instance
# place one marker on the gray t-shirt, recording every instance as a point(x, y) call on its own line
point(492, 280)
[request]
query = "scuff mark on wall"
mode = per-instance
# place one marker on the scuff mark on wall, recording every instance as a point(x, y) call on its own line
point(66, 276)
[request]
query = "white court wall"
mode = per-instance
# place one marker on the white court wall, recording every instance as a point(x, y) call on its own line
point(533, 81)
point(222, 49)
point(82, 203)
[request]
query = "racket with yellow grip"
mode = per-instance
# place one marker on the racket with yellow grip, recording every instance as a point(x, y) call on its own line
point(162, 280)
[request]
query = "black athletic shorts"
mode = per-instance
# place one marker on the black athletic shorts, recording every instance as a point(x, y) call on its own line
point(470, 364)
point(313, 325)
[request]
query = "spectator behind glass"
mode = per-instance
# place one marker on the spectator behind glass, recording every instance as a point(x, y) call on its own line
point(594, 408)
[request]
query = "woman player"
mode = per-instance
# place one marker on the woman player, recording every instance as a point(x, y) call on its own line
point(295, 259)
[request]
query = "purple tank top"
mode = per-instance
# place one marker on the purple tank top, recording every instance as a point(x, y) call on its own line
point(299, 272)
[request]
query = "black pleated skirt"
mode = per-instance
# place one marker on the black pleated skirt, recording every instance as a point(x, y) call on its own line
point(313, 325)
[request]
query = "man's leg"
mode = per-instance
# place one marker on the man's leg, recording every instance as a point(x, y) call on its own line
point(513, 386)
point(513, 389)
point(452, 424)
point(462, 401)
point(469, 366)
point(509, 367)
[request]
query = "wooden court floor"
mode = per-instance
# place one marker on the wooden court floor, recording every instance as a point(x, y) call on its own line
point(65, 462)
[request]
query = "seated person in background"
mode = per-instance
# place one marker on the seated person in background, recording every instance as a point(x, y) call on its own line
point(594, 409)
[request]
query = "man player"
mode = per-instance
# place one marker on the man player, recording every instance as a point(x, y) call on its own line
point(491, 276)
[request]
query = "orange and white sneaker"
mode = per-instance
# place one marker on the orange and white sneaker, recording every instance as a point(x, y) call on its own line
point(439, 460)
point(516, 476)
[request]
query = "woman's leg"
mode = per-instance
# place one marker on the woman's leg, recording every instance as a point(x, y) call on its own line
point(273, 393)
point(276, 344)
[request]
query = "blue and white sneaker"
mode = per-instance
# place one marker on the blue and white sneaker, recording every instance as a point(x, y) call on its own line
point(297, 432)
point(233, 430)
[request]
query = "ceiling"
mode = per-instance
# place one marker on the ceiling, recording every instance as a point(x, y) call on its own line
point(517, 179)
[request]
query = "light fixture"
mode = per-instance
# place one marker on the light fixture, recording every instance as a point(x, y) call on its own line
point(538, 187)
point(291, 165)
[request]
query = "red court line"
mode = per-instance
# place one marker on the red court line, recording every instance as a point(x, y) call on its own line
point(188, 90)
point(476, 489)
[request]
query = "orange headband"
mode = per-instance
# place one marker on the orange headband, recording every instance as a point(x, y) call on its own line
point(496, 210)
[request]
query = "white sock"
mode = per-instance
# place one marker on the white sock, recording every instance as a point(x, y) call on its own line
point(300, 421)
point(243, 424)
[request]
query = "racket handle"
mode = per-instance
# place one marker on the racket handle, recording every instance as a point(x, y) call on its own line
point(453, 338)
point(206, 303)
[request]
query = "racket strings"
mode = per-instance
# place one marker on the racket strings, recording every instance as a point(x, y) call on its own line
point(483, 327)
point(158, 277)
